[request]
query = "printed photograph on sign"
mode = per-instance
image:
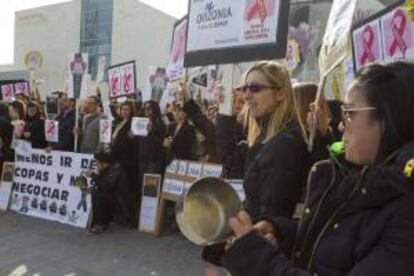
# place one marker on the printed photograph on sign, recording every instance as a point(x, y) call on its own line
point(128, 79)
point(397, 35)
point(52, 131)
point(7, 92)
point(176, 62)
point(105, 131)
point(367, 44)
point(22, 88)
point(151, 185)
point(158, 81)
point(8, 172)
point(78, 68)
point(114, 79)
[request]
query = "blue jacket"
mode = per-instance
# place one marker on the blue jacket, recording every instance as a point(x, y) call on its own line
point(358, 224)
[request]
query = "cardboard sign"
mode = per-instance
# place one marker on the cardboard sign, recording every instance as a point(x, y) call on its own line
point(7, 92)
point(52, 131)
point(139, 126)
point(44, 186)
point(367, 44)
point(149, 203)
point(6, 183)
point(105, 131)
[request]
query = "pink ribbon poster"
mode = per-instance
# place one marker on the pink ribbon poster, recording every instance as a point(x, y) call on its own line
point(23, 88)
point(114, 78)
point(105, 131)
point(397, 31)
point(7, 92)
point(127, 79)
point(52, 131)
point(367, 44)
point(176, 63)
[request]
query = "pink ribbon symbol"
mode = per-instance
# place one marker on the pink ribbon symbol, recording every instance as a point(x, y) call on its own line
point(127, 82)
point(105, 127)
point(114, 85)
point(258, 6)
point(368, 39)
point(398, 27)
point(50, 128)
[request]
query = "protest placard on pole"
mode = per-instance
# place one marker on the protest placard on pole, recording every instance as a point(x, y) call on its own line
point(175, 69)
point(105, 131)
point(334, 49)
point(7, 92)
point(52, 131)
point(77, 75)
point(139, 126)
point(122, 79)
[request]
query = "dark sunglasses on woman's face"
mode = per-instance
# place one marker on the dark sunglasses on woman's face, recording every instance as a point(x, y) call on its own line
point(255, 87)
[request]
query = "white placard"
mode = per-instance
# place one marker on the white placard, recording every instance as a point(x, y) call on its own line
point(52, 131)
point(172, 167)
point(7, 92)
point(173, 186)
point(194, 169)
point(44, 186)
point(105, 131)
point(5, 192)
point(139, 126)
point(149, 202)
point(182, 167)
point(212, 170)
point(228, 23)
point(176, 64)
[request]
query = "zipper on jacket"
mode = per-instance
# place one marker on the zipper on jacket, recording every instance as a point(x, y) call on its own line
point(328, 223)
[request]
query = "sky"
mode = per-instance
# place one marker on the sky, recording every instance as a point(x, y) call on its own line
point(176, 8)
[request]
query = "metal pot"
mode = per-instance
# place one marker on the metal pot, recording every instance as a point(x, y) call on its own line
point(204, 210)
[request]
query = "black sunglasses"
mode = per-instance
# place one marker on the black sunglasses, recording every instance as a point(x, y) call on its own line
point(255, 87)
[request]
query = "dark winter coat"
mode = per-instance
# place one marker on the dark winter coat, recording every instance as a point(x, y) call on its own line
point(358, 224)
point(66, 127)
point(184, 142)
point(36, 127)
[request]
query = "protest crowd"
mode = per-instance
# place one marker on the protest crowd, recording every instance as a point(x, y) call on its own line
point(328, 183)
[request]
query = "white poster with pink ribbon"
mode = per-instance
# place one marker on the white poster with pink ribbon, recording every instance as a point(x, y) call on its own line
point(105, 131)
point(367, 44)
point(397, 35)
point(52, 131)
point(7, 92)
point(175, 68)
point(22, 88)
point(121, 79)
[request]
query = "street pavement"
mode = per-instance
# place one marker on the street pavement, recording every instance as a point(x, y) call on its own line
point(36, 247)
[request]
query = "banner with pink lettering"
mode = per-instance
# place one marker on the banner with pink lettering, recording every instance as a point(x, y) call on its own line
point(122, 79)
point(52, 131)
point(367, 44)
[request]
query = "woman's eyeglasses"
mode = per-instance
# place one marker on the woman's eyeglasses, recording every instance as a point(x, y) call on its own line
point(255, 87)
point(347, 112)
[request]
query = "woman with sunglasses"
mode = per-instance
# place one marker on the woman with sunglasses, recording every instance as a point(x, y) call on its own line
point(358, 220)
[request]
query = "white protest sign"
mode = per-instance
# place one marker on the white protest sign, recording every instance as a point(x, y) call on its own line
point(139, 126)
point(105, 131)
point(44, 186)
point(52, 131)
point(173, 186)
point(149, 203)
point(227, 23)
point(7, 92)
point(172, 167)
point(182, 167)
point(194, 169)
point(176, 64)
point(210, 170)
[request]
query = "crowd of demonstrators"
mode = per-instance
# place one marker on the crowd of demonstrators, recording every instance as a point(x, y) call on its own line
point(358, 204)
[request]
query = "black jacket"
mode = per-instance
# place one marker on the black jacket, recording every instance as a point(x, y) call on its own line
point(152, 155)
point(6, 131)
point(66, 127)
point(232, 146)
point(205, 126)
point(275, 174)
point(358, 224)
point(184, 142)
point(36, 127)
